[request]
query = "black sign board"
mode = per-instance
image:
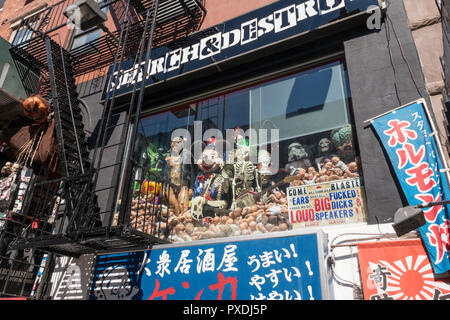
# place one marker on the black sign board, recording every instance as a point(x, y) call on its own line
point(263, 27)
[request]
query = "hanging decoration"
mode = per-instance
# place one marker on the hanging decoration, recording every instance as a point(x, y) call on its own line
point(410, 140)
point(36, 108)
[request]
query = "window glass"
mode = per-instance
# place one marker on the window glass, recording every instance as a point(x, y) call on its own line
point(23, 35)
point(296, 105)
point(271, 157)
point(87, 37)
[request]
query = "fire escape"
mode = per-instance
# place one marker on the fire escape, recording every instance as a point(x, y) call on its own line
point(67, 218)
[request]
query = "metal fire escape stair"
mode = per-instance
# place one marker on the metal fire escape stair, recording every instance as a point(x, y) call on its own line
point(69, 204)
point(72, 145)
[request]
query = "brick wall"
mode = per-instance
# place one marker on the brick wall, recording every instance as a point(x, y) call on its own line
point(426, 28)
point(13, 10)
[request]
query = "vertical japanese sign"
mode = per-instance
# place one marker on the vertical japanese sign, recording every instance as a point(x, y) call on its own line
point(408, 140)
point(268, 268)
point(399, 270)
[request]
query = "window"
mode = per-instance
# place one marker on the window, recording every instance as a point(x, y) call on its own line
point(22, 35)
point(270, 157)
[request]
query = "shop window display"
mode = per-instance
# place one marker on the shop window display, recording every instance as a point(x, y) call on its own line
point(307, 174)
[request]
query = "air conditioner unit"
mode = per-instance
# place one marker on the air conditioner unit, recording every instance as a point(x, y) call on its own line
point(85, 14)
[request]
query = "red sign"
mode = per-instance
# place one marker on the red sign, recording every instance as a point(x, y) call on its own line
point(399, 270)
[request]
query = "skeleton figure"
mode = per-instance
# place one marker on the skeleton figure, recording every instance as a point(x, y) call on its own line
point(245, 173)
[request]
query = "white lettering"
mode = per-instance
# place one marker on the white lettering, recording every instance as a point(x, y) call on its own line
point(249, 31)
point(285, 19)
point(174, 60)
point(265, 25)
point(190, 53)
point(332, 5)
point(306, 10)
point(157, 66)
point(234, 35)
point(210, 46)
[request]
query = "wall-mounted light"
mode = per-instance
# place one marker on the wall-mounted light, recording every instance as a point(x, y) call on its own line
point(408, 219)
point(411, 217)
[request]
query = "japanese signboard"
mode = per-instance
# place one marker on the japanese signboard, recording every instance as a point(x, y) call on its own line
point(326, 203)
point(408, 139)
point(399, 270)
point(290, 266)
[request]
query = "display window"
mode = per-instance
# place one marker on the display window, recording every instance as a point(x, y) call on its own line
point(269, 157)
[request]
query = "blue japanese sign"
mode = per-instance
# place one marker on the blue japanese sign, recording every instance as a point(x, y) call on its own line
point(287, 267)
point(408, 140)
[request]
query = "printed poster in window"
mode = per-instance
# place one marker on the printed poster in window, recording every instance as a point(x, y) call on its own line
point(399, 270)
point(334, 202)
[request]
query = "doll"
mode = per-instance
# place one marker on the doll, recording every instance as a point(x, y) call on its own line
point(325, 151)
point(336, 174)
point(301, 175)
point(326, 169)
point(211, 184)
point(265, 169)
point(6, 170)
point(310, 178)
point(352, 170)
point(337, 163)
point(323, 178)
point(343, 141)
point(312, 170)
point(179, 192)
point(298, 157)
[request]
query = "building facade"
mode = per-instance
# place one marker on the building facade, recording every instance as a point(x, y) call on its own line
point(283, 182)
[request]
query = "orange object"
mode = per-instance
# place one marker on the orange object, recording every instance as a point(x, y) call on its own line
point(150, 187)
point(36, 108)
point(399, 270)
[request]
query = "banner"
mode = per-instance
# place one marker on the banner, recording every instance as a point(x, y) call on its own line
point(268, 268)
point(326, 203)
point(408, 140)
point(399, 270)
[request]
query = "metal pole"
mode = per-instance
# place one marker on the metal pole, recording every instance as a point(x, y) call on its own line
point(42, 291)
point(132, 136)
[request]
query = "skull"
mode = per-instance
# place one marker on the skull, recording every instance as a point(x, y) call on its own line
point(296, 152)
point(264, 161)
point(324, 145)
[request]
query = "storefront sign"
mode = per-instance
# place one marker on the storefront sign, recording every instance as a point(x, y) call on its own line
point(399, 270)
point(17, 278)
point(279, 268)
point(327, 203)
point(268, 25)
point(408, 139)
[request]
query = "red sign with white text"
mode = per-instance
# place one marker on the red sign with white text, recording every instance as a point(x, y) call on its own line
point(399, 270)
